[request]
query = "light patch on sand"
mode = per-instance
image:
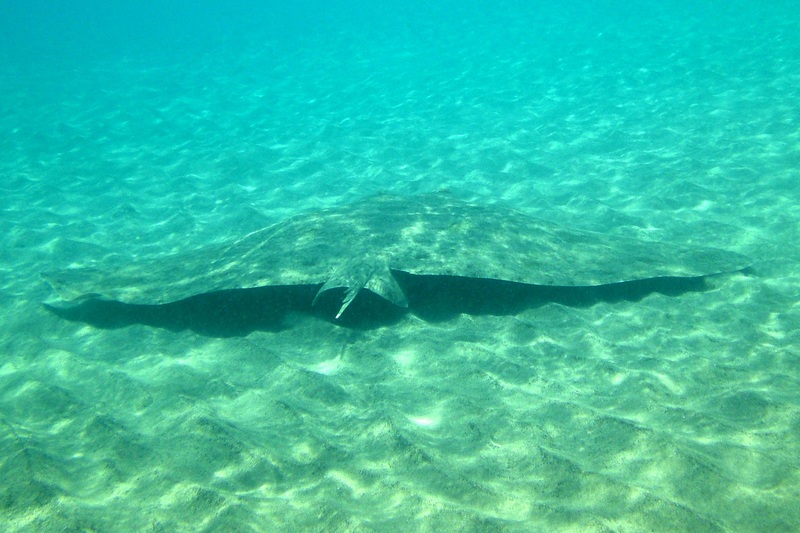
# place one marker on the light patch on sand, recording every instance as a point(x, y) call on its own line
point(618, 378)
point(86, 331)
point(328, 367)
point(410, 231)
point(703, 206)
point(544, 339)
point(225, 473)
point(773, 327)
point(427, 421)
point(654, 475)
point(513, 508)
point(346, 480)
point(667, 381)
point(121, 490)
point(303, 453)
point(173, 495)
point(200, 357)
point(431, 506)
point(405, 358)
point(8, 368)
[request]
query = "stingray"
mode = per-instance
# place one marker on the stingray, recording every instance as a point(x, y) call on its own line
point(360, 246)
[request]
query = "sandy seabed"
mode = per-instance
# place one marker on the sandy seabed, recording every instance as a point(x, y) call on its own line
point(658, 411)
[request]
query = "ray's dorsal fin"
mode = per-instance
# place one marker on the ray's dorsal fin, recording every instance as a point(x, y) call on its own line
point(364, 273)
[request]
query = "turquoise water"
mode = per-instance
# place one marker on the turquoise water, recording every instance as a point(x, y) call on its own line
point(134, 130)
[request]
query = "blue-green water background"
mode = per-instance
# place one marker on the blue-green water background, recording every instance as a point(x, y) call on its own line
point(139, 128)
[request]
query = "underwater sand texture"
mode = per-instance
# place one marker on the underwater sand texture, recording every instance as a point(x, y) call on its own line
point(657, 413)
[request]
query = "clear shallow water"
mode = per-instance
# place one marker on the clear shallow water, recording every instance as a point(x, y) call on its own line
point(137, 131)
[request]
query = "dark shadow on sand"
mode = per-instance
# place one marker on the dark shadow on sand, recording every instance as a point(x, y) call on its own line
point(432, 298)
